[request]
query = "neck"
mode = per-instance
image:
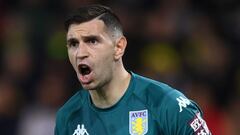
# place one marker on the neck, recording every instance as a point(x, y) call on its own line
point(112, 92)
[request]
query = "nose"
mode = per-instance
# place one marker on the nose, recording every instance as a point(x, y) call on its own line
point(82, 51)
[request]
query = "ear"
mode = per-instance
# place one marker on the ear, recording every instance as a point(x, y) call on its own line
point(120, 47)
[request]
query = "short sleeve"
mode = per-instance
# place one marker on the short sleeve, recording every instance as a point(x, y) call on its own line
point(181, 116)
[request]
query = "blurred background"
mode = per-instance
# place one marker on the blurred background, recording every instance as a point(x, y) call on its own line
point(193, 45)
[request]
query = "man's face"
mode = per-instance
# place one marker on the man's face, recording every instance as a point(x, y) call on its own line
point(91, 52)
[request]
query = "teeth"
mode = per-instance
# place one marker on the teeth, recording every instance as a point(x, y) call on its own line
point(83, 66)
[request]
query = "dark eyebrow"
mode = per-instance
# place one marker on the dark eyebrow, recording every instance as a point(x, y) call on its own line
point(72, 40)
point(90, 37)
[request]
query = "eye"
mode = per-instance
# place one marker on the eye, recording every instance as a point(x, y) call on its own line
point(91, 41)
point(72, 43)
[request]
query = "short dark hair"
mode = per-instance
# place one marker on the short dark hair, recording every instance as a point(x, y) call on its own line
point(90, 12)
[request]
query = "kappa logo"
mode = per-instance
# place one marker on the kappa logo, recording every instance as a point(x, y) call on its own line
point(182, 102)
point(138, 122)
point(80, 130)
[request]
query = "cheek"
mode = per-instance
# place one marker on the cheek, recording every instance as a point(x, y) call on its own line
point(71, 58)
point(106, 60)
point(106, 56)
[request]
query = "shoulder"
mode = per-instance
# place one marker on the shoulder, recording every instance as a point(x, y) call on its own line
point(172, 109)
point(151, 91)
point(180, 115)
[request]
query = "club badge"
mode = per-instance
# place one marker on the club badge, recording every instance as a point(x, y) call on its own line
point(138, 122)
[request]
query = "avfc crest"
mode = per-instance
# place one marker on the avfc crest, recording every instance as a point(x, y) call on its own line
point(138, 122)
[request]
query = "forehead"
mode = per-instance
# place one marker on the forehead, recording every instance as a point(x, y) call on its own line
point(93, 27)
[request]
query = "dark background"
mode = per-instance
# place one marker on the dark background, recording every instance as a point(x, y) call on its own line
point(192, 45)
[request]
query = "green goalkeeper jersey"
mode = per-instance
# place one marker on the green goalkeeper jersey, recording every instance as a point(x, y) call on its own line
point(147, 108)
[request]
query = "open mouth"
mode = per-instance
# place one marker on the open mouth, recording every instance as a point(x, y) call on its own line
point(84, 69)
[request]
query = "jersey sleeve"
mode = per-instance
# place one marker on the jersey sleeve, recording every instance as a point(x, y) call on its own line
point(181, 116)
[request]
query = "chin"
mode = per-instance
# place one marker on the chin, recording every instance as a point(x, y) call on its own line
point(88, 87)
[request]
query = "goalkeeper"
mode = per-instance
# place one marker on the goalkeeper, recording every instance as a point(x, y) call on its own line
point(115, 101)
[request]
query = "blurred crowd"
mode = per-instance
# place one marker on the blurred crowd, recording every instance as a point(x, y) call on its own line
point(192, 45)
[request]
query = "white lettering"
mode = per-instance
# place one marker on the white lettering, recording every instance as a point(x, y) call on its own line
point(202, 132)
point(199, 125)
point(203, 123)
point(196, 124)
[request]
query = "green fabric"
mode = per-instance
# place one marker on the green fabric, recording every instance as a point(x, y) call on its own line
point(148, 107)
